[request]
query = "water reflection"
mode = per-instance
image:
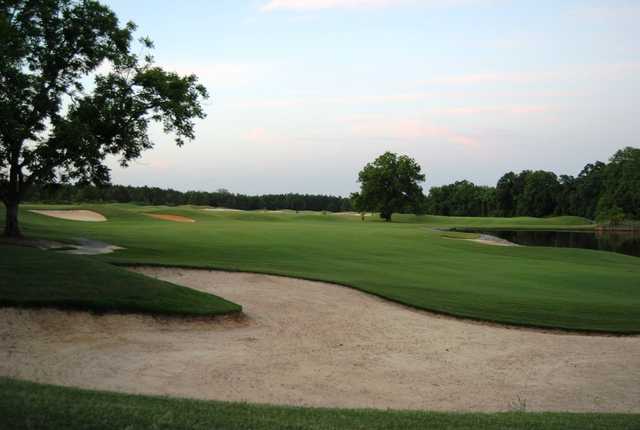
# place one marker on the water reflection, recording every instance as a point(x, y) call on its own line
point(621, 242)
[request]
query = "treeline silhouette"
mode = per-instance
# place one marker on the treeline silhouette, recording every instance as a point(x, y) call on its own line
point(603, 191)
point(65, 193)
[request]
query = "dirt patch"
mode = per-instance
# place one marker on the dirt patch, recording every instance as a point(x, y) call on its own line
point(174, 218)
point(73, 215)
point(311, 343)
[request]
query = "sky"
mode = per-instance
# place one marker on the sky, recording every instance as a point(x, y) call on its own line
point(305, 92)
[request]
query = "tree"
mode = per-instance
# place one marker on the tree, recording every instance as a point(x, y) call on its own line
point(539, 194)
point(462, 198)
point(567, 199)
point(589, 186)
point(51, 128)
point(622, 184)
point(506, 194)
point(390, 184)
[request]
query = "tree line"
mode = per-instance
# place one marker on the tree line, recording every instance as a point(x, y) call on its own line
point(66, 193)
point(603, 191)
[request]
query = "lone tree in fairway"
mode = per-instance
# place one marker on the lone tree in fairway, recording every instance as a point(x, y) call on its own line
point(51, 128)
point(390, 184)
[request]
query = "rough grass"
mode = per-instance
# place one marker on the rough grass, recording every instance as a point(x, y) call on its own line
point(30, 277)
point(407, 262)
point(25, 405)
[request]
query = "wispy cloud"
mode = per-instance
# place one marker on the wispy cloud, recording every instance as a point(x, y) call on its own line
point(483, 78)
point(588, 71)
point(609, 11)
point(310, 5)
point(223, 74)
point(399, 98)
point(476, 110)
point(411, 129)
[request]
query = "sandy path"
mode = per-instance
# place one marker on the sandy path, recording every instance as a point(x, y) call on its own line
point(73, 215)
point(309, 343)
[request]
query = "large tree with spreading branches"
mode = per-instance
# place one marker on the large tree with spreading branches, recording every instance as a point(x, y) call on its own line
point(73, 92)
point(391, 183)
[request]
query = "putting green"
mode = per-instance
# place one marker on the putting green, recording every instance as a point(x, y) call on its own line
point(405, 261)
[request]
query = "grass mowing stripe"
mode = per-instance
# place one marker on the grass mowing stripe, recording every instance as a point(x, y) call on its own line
point(26, 405)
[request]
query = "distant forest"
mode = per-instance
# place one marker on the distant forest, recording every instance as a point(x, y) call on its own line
point(64, 193)
point(604, 191)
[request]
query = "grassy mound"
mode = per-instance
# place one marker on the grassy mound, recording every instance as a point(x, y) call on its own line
point(35, 278)
point(25, 405)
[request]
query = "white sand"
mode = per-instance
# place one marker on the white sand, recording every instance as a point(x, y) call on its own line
point(73, 215)
point(311, 343)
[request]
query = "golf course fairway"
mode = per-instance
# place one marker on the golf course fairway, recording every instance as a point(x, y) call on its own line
point(406, 261)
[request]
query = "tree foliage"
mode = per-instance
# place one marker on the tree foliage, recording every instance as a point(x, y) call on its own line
point(603, 191)
point(52, 129)
point(462, 198)
point(390, 184)
point(66, 193)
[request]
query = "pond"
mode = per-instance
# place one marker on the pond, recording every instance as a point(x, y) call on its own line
point(621, 242)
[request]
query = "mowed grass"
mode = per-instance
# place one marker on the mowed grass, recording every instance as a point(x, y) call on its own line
point(25, 405)
point(33, 278)
point(405, 261)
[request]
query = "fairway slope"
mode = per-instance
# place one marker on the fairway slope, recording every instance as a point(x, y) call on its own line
point(311, 343)
point(34, 278)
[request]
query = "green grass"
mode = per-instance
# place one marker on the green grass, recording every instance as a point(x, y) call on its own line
point(25, 405)
point(459, 235)
point(35, 278)
point(559, 222)
point(405, 261)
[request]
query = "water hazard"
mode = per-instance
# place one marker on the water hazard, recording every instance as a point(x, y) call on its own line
point(622, 242)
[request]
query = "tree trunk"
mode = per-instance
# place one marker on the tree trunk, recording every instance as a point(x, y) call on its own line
point(11, 226)
point(385, 214)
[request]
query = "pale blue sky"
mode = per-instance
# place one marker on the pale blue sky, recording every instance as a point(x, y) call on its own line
point(305, 92)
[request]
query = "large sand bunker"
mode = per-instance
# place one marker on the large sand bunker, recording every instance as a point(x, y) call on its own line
point(310, 343)
point(174, 218)
point(73, 215)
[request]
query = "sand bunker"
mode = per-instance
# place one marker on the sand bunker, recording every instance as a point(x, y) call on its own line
point(79, 246)
point(73, 215)
point(223, 210)
point(311, 343)
point(488, 239)
point(174, 218)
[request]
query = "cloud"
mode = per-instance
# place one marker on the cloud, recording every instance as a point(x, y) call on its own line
point(484, 78)
point(312, 5)
point(476, 110)
point(608, 11)
point(409, 129)
point(610, 71)
point(295, 102)
point(301, 102)
point(260, 135)
point(223, 74)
